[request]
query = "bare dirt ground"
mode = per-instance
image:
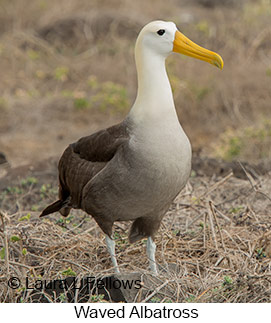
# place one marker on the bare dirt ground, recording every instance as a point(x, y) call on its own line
point(67, 69)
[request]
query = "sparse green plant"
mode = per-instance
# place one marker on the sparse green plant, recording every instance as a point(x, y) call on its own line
point(60, 221)
point(203, 27)
point(44, 188)
point(2, 253)
point(92, 82)
point(68, 272)
point(67, 93)
point(112, 95)
point(176, 231)
point(193, 173)
point(260, 253)
point(14, 190)
point(34, 208)
point(40, 74)
point(29, 181)
point(33, 93)
point(190, 299)
point(117, 235)
point(236, 209)
point(62, 298)
point(198, 91)
point(105, 95)
point(96, 298)
point(227, 280)
point(81, 103)
point(253, 10)
point(3, 103)
point(195, 200)
point(47, 189)
point(33, 54)
point(155, 299)
point(63, 221)
point(61, 73)
point(235, 146)
point(15, 238)
point(167, 300)
point(69, 219)
point(251, 143)
point(121, 242)
point(25, 217)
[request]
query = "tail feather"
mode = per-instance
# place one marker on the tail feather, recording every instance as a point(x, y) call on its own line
point(54, 207)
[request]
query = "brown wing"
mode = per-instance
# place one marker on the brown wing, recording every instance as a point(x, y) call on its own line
point(102, 145)
point(82, 160)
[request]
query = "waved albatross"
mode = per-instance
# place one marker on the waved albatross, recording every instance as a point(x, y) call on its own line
point(133, 171)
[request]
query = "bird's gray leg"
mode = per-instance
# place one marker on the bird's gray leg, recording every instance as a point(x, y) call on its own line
point(110, 243)
point(151, 247)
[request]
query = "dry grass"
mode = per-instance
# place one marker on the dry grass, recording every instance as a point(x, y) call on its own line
point(216, 234)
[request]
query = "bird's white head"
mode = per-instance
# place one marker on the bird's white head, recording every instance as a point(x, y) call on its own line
point(157, 37)
point(162, 38)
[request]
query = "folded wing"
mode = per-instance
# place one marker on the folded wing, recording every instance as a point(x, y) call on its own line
point(81, 161)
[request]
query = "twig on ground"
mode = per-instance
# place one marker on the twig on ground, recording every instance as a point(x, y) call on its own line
point(250, 179)
point(216, 185)
point(5, 240)
point(212, 228)
point(217, 224)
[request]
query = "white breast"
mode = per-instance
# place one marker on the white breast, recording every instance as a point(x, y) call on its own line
point(164, 153)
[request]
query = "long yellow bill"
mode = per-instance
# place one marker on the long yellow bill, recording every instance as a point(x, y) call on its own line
point(185, 46)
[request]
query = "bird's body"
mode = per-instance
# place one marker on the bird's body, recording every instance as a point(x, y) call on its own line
point(132, 171)
point(138, 179)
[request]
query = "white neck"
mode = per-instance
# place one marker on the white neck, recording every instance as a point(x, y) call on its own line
point(154, 96)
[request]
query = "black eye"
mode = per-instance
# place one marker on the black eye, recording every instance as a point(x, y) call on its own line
point(161, 32)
